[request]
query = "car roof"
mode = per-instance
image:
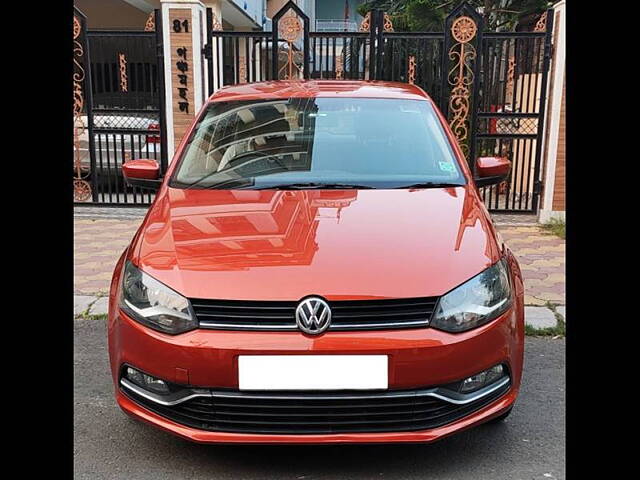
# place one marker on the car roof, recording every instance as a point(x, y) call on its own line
point(319, 88)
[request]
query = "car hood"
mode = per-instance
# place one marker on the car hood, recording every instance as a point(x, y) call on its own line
point(340, 244)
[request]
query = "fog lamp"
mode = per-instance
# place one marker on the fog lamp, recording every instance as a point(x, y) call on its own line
point(146, 381)
point(482, 379)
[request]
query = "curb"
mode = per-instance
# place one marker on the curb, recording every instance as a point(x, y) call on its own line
point(130, 213)
point(88, 305)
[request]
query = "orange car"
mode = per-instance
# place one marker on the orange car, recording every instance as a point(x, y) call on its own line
point(317, 267)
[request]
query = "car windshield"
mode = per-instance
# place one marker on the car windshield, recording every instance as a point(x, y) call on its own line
point(318, 143)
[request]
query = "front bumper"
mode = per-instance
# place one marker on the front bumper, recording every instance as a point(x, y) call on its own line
point(417, 358)
point(424, 436)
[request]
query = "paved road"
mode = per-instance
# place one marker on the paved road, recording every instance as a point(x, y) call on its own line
point(529, 445)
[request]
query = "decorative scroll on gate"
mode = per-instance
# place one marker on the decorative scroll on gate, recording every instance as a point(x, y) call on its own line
point(81, 187)
point(541, 25)
point(150, 24)
point(463, 30)
point(122, 61)
point(290, 30)
point(411, 69)
point(339, 67)
point(215, 23)
point(290, 25)
point(461, 78)
point(387, 25)
point(365, 25)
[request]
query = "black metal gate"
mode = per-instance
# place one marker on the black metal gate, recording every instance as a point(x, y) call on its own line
point(510, 112)
point(123, 112)
point(491, 86)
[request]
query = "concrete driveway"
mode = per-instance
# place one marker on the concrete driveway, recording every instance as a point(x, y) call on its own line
point(109, 445)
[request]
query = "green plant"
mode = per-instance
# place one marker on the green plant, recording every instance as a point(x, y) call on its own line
point(555, 226)
point(92, 316)
point(558, 331)
point(429, 15)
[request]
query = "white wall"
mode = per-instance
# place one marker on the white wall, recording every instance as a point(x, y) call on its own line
point(554, 103)
point(253, 8)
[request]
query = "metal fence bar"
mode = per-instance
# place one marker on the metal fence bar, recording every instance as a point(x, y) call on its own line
point(89, 107)
point(207, 50)
point(543, 103)
point(164, 147)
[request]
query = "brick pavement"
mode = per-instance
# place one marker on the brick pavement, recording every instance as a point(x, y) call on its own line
point(100, 238)
point(97, 245)
point(542, 260)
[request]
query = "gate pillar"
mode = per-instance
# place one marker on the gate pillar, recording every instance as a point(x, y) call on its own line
point(185, 72)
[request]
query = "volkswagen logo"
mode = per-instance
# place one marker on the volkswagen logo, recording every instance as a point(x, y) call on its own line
point(313, 315)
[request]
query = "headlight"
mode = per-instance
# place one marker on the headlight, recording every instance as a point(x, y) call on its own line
point(476, 301)
point(153, 304)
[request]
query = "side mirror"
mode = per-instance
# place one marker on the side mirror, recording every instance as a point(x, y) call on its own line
point(142, 173)
point(491, 170)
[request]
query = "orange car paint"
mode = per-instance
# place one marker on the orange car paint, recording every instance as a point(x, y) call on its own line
point(339, 244)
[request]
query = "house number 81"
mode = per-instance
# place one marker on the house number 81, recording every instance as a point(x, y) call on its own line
point(177, 26)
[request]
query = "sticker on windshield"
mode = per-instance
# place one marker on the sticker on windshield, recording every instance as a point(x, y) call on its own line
point(447, 167)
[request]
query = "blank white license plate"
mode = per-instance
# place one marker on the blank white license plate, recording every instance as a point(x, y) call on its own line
point(313, 372)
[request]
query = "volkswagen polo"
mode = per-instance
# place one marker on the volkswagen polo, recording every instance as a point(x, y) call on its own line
point(317, 267)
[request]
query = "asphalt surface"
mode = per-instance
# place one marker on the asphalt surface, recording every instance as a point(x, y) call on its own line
point(530, 444)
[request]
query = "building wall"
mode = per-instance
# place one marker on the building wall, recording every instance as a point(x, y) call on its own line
point(334, 10)
point(307, 6)
point(120, 15)
point(274, 6)
point(252, 8)
point(111, 15)
point(553, 193)
point(559, 187)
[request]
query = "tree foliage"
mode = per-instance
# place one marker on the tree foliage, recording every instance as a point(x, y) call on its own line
point(429, 15)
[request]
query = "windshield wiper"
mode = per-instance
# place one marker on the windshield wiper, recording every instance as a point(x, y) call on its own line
point(431, 185)
point(316, 186)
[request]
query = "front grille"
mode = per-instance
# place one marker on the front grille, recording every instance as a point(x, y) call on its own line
point(317, 413)
point(346, 314)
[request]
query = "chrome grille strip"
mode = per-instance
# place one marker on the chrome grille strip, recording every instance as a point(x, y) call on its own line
point(376, 314)
point(439, 393)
